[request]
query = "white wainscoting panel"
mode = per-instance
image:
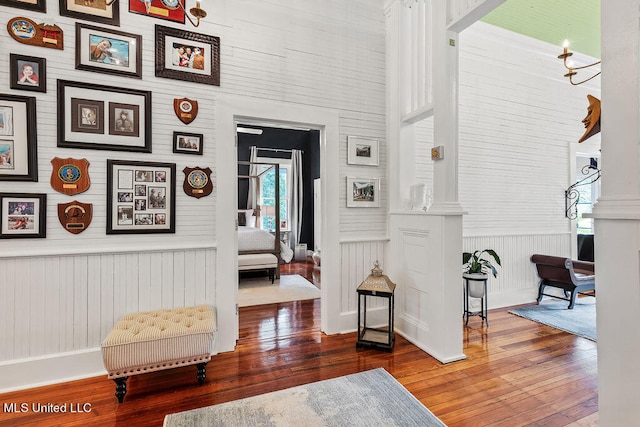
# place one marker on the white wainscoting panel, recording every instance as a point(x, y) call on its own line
point(517, 281)
point(428, 298)
point(357, 260)
point(61, 304)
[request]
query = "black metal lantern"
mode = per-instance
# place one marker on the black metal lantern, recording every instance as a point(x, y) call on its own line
point(379, 286)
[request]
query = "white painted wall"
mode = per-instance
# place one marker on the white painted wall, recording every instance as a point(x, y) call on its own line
point(518, 129)
point(326, 55)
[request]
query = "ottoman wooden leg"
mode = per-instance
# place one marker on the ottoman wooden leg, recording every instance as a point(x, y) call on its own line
point(202, 372)
point(121, 388)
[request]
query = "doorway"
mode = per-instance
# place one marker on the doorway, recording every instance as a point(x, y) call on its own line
point(296, 152)
point(231, 110)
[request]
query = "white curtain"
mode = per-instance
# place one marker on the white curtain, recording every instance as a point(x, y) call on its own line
point(254, 170)
point(296, 195)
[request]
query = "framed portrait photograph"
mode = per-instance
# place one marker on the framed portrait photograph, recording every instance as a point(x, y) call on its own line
point(362, 151)
point(92, 10)
point(18, 138)
point(363, 192)
point(108, 51)
point(188, 143)
point(34, 5)
point(183, 55)
point(23, 215)
point(28, 73)
point(103, 117)
point(163, 9)
point(140, 197)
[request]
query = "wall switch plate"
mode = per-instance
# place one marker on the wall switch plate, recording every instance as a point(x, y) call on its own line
point(437, 153)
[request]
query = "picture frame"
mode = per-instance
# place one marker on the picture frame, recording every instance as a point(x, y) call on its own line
point(163, 9)
point(183, 55)
point(92, 116)
point(18, 138)
point(362, 151)
point(187, 143)
point(33, 5)
point(108, 51)
point(141, 197)
point(95, 11)
point(28, 73)
point(23, 215)
point(363, 192)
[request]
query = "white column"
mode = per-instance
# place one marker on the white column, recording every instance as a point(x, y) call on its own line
point(445, 100)
point(617, 217)
point(400, 137)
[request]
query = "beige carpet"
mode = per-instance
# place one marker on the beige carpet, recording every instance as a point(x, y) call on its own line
point(291, 287)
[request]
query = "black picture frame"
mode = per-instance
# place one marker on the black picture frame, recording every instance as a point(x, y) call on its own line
point(23, 215)
point(100, 12)
point(187, 143)
point(18, 77)
point(18, 138)
point(172, 65)
point(86, 117)
point(124, 57)
point(35, 6)
point(141, 197)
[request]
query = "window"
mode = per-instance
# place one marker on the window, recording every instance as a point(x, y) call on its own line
point(589, 192)
point(268, 197)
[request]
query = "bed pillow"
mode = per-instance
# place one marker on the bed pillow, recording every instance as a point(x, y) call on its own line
point(250, 220)
point(242, 218)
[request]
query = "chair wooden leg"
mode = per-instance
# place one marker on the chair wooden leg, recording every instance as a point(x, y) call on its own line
point(121, 388)
point(202, 372)
point(540, 291)
point(572, 300)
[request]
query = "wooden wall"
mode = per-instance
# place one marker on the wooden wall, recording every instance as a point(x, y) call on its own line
point(59, 295)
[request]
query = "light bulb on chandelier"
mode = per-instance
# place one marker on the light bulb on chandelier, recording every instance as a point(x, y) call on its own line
point(570, 65)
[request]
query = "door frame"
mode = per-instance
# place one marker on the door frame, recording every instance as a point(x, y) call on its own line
point(229, 111)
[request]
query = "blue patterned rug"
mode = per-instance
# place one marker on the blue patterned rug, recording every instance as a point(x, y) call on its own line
point(370, 398)
point(581, 320)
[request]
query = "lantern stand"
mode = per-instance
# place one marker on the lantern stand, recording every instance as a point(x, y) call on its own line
point(375, 285)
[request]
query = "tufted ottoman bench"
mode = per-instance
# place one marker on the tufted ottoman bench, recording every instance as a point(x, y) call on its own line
point(265, 261)
point(156, 340)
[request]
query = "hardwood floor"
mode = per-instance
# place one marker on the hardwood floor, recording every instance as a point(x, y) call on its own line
point(517, 373)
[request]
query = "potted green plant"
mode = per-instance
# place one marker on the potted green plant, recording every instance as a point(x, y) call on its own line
point(476, 266)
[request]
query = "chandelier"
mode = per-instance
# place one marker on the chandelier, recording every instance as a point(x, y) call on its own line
point(569, 65)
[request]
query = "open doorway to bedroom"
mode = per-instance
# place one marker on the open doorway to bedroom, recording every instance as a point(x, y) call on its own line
point(278, 167)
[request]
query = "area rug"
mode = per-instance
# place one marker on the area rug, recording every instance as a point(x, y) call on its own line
point(291, 287)
point(370, 398)
point(581, 320)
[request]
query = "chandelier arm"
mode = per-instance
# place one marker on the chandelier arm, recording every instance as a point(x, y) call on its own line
point(586, 66)
point(583, 81)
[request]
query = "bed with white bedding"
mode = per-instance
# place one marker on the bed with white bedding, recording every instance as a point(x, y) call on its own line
point(255, 240)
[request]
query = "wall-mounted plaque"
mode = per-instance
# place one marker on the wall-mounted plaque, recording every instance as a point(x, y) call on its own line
point(197, 182)
point(75, 216)
point(25, 31)
point(186, 109)
point(70, 176)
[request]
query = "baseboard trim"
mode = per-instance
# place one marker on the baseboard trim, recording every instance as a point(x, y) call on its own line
point(20, 374)
point(436, 355)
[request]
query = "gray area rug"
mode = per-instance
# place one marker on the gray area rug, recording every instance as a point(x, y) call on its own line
point(370, 398)
point(581, 320)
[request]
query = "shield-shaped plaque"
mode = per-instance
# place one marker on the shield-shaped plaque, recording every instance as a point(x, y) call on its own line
point(70, 176)
point(75, 216)
point(186, 109)
point(197, 182)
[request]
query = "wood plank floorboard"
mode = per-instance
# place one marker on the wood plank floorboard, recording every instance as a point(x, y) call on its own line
point(517, 373)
